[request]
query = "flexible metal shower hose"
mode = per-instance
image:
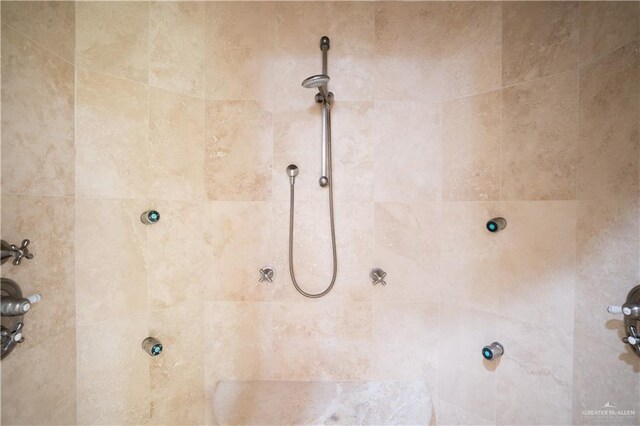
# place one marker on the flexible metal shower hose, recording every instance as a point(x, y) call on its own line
point(333, 229)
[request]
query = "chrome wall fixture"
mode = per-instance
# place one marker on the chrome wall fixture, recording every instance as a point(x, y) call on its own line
point(496, 224)
point(13, 307)
point(377, 276)
point(10, 251)
point(493, 351)
point(152, 346)
point(325, 98)
point(150, 217)
point(267, 274)
point(631, 312)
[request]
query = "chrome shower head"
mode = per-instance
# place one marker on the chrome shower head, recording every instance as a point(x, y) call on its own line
point(314, 81)
point(292, 172)
point(319, 81)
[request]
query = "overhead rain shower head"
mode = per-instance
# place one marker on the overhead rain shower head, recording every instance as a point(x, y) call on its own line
point(314, 81)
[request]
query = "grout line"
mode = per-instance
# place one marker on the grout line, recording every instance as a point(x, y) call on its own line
point(40, 45)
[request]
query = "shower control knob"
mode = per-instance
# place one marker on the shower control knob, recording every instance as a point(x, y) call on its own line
point(631, 340)
point(628, 310)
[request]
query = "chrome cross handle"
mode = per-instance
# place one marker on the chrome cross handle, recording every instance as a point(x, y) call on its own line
point(377, 276)
point(21, 252)
point(267, 274)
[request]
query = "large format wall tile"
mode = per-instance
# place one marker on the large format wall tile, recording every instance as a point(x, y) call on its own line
point(113, 372)
point(538, 39)
point(39, 383)
point(236, 347)
point(37, 119)
point(538, 263)
point(298, 140)
point(48, 23)
point(111, 250)
point(48, 222)
point(540, 139)
point(113, 38)
point(239, 50)
point(407, 139)
point(350, 27)
point(313, 254)
point(176, 376)
point(176, 257)
point(112, 142)
point(465, 379)
point(177, 46)
point(606, 26)
point(608, 267)
point(472, 48)
point(176, 146)
point(238, 151)
point(536, 357)
point(405, 342)
point(238, 244)
point(407, 245)
point(609, 128)
point(321, 341)
point(409, 51)
point(471, 148)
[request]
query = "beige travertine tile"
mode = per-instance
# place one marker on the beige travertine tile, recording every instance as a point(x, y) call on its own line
point(405, 342)
point(464, 228)
point(111, 254)
point(471, 148)
point(606, 26)
point(37, 121)
point(48, 23)
point(176, 254)
point(608, 262)
point(313, 254)
point(39, 383)
point(536, 357)
point(48, 222)
point(538, 263)
point(176, 376)
point(236, 348)
point(321, 341)
point(238, 245)
point(538, 39)
point(239, 50)
point(112, 130)
point(298, 140)
point(177, 46)
point(465, 379)
point(238, 150)
point(607, 265)
point(113, 38)
point(472, 47)
point(113, 372)
point(176, 145)
point(408, 143)
point(350, 27)
point(409, 51)
point(407, 245)
point(609, 110)
point(540, 139)
point(449, 414)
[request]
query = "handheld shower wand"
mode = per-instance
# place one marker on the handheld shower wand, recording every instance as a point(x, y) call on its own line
point(325, 98)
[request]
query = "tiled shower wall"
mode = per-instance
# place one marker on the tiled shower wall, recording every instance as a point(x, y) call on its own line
point(446, 114)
